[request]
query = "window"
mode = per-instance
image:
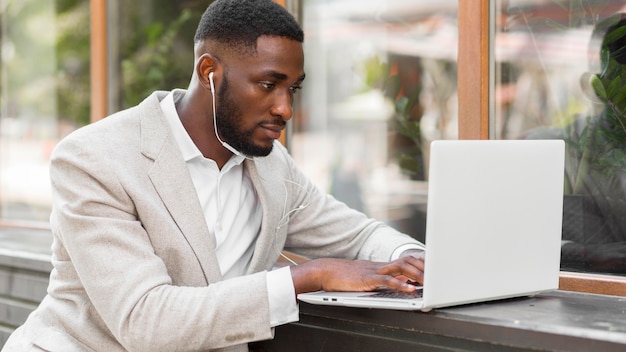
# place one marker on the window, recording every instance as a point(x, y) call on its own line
point(150, 47)
point(559, 74)
point(544, 46)
point(44, 94)
point(47, 51)
point(354, 144)
point(380, 86)
point(363, 61)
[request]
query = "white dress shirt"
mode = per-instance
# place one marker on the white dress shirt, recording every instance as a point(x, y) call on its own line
point(233, 215)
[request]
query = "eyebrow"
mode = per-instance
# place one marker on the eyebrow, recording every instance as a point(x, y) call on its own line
point(282, 76)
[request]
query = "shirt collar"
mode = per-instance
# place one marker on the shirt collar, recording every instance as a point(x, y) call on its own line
point(185, 143)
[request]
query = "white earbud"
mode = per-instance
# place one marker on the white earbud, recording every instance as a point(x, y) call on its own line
point(226, 145)
point(211, 82)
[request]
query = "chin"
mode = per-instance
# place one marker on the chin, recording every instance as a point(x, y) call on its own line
point(265, 152)
point(257, 150)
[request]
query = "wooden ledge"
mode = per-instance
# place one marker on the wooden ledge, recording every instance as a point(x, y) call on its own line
point(593, 283)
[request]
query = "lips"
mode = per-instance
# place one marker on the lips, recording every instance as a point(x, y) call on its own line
point(272, 130)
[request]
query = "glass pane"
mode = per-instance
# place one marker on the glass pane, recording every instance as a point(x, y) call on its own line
point(381, 84)
point(44, 94)
point(151, 47)
point(560, 75)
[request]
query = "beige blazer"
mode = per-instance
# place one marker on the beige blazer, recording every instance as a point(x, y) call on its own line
point(134, 262)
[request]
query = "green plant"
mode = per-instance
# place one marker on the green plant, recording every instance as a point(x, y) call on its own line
point(408, 158)
point(73, 53)
point(156, 64)
point(378, 75)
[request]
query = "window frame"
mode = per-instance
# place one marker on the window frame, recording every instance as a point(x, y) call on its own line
point(99, 59)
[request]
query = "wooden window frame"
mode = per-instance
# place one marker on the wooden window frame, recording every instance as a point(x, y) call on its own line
point(98, 69)
point(474, 109)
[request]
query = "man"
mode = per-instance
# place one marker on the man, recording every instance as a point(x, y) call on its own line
point(168, 217)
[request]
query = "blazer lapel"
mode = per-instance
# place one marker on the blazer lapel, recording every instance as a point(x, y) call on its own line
point(172, 182)
point(270, 191)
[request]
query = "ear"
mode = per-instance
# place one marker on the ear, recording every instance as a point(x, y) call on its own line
point(206, 64)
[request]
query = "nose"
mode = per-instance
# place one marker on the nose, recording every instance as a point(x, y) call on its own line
point(283, 105)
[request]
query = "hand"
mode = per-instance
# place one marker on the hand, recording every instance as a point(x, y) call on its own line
point(357, 275)
point(417, 253)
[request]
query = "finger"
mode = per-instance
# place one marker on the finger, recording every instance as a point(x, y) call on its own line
point(408, 265)
point(418, 262)
point(405, 269)
point(409, 280)
point(417, 253)
point(395, 283)
point(414, 277)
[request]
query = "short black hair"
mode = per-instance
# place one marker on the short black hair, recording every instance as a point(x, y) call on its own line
point(239, 23)
point(611, 33)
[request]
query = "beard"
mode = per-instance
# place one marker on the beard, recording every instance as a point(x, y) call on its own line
point(229, 122)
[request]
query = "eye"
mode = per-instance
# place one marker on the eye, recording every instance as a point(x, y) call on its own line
point(295, 89)
point(267, 85)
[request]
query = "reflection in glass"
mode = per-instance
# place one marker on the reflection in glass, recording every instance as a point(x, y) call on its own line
point(381, 84)
point(560, 74)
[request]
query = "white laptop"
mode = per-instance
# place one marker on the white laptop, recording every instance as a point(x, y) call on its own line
point(493, 227)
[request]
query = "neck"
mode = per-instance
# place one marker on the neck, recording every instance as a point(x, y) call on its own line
point(196, 116)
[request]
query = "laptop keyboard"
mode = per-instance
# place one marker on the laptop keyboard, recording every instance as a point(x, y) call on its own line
point(399, 294)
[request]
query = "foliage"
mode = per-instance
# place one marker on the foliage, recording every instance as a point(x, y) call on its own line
point(379, 76)
point(73, 54)
point(159, 58)
point(154, 38)
point(601, 143)
point(408, 158)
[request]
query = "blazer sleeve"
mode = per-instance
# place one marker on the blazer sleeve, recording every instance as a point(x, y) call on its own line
point(322, 226)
